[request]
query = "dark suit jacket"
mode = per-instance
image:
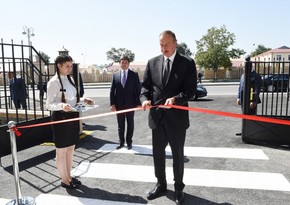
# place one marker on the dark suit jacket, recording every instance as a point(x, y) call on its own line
point(255, 85)
point(17, 89)
point(181, 85)
point(127, 97)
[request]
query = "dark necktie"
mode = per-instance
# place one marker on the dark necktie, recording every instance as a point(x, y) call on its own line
point(123, 80)
point(166, 71)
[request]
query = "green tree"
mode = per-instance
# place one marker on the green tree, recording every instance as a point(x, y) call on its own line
point(183, 49)
point(236, 53)
point(213, 49)
point(115, 54)
point(44, 56)
point(260, 49)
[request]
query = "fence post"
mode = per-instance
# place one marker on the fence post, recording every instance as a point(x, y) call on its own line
point(19, 199)
point(247, 89)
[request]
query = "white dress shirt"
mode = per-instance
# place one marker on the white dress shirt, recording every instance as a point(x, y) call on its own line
point(126, 73)
point(54, 93)
point(171, 58)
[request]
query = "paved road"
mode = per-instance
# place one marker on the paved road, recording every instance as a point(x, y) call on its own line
point(220, 168)
point(221, 89)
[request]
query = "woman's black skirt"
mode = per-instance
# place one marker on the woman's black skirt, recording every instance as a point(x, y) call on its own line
point(65, 134)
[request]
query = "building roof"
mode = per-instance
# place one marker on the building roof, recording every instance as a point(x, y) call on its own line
point(282, 49)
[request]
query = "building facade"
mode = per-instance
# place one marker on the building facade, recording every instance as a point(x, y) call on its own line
point(277, 54)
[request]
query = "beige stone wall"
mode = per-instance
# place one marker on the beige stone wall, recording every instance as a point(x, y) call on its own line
point(234, 73)
point(106, 77)
point(97, 76)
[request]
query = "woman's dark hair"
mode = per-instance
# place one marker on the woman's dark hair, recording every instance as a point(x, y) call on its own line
point(60, 60)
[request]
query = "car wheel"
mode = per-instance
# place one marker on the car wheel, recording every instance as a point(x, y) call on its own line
point(271, 88)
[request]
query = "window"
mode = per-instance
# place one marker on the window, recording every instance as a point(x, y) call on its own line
point(278, 57)
point(288, 57)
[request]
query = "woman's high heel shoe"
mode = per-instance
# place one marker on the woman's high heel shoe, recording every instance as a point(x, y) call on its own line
point(70, 186)
point(76, 181)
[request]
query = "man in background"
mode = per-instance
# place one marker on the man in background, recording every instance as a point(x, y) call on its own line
point(255, 88)
point(125, 94)
point(18, 91)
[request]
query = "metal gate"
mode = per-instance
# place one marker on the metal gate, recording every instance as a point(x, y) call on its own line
point(274, 97)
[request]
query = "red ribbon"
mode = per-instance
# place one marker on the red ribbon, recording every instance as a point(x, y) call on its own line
point(16, 131)
point(81, 118)
point(202, 110)
point(235, 115)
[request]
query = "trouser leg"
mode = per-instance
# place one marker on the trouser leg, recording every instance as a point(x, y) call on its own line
point(121, 127)
point(176, 141)
point(159, 142)
point(130, 127)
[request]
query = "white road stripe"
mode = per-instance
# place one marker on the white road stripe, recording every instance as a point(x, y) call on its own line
point(239, 153)
point(48, 199)
point(4, 201)
point(192, 177)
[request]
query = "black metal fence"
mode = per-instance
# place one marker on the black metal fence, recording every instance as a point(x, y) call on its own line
point(274, 102)
point(25, 63)
point(274, 87)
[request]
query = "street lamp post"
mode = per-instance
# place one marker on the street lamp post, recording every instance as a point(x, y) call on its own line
point(84, 56)
point(29, 32)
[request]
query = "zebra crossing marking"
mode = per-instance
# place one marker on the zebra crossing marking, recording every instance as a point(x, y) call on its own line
point(192, 177)
point(48, 199)
point(237, 153)
point(4, 201)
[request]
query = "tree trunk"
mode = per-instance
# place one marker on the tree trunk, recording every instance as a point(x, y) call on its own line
point(215, 74)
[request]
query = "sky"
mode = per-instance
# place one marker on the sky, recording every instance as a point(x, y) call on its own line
point(90, 28)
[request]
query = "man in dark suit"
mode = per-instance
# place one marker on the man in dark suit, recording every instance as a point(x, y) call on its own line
point(18, 92)
point(125, 94)
point(169, 79)
point(255, 88)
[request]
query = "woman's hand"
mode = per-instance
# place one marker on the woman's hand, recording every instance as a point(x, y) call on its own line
point(89, 101)
point(67, 107)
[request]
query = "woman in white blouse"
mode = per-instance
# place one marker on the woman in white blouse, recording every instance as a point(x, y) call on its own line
point(62, 97)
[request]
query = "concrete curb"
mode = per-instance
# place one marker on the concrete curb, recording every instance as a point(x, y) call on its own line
point(108, 85)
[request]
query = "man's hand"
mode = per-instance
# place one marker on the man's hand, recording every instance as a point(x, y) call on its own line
point(113, 108)
point(145, 104)
point(252, 105)
point(238, 102)
point(169, 101)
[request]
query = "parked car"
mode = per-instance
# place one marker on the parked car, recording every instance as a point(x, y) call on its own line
point(200, 92)
point(275, 82)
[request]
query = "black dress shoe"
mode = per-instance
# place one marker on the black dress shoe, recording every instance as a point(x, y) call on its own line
point(120, 146)
point(129, 146)
point(179, 197)
point(157, 191)
point(238, 134)
point(71, 185)
point(76, 181)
